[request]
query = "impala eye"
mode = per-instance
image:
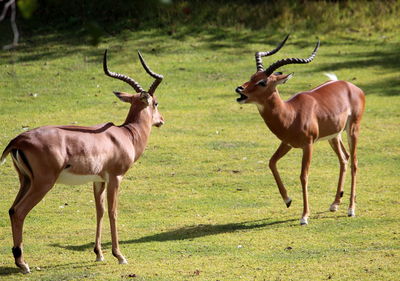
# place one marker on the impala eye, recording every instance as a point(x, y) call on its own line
point(262, 83)
point(156, 104)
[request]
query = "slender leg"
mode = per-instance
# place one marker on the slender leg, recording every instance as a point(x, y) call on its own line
point(337, 147)
point(25, 183)
point(353, 139)
point(346, 154)
point(112, 200)
point(18, 214)
point(279, 153)
point(98, 190)
point(305, 165)
point(17, 250)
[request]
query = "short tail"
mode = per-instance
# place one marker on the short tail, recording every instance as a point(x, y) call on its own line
point(331, 76)
point(6, 151)
point(19, 158)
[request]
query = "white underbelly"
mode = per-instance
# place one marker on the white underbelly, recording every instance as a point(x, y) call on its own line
point(66, 177)
point(328, 137)
point(345, 125)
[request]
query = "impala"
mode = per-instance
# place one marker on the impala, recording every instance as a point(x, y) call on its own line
point(73, 155)
point(322, 113)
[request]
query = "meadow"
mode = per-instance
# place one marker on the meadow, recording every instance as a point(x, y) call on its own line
point(201, 203)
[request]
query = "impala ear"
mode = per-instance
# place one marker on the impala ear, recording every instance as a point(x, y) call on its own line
point(145, 98)
point(125, 97)
point(283, 78)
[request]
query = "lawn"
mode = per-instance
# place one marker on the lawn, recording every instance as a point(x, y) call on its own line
point(201, 203)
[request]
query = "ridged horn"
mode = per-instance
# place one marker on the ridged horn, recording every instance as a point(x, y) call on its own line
point(122, 77)
point(259, 55)
point(283, 62)
point(158, 77)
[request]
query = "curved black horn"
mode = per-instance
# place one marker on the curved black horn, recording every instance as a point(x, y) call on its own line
point(122, 77)
point(283, 62)
point(156, 76)
point(258, 55)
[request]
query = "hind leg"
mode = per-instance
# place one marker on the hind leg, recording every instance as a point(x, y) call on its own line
point(353, 132)
point(25, 183)
point(343, 156)
point(353, 139)
point(24, 178)
point(18, 213)
point(346, 154)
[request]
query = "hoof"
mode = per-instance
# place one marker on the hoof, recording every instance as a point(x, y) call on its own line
point(100, 258)
point(25, 268)
point(121, 258)
point(334, 207)
point(288, 202)
point(351, 213)
point(303, 221)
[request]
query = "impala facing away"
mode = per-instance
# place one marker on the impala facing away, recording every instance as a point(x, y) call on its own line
point(318, 114)
point(74, 155)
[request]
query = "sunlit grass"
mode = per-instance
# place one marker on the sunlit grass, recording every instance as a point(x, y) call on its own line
point(201, 203)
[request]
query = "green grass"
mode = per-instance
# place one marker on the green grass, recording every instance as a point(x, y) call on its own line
point(201, 203)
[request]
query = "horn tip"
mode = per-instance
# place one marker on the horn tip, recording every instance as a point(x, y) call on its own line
point(318, 44)
point(105, 56)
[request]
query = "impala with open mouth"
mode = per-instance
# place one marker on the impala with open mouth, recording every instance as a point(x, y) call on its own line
point(317, 114)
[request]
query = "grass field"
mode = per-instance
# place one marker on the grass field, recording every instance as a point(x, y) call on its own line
point(201, 203)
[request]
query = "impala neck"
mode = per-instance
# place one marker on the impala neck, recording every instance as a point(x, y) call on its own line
point(139, 123)
point(277, 114)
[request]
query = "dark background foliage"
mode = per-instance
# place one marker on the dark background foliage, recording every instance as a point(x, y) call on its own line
point(96, 19)
point(255, 14)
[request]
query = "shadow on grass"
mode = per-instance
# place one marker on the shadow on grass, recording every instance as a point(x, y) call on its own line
point(187, 233)
point(6, 270)
point(383, 59)
point(75, 265)
point(387, 58)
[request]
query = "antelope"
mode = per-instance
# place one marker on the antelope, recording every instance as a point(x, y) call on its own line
point(75, 155)
point(322, 113)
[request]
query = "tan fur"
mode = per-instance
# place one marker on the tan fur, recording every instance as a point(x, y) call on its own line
point(76, 154)
point(321, 113)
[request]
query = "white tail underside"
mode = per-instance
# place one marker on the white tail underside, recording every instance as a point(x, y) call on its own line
point(331, 76)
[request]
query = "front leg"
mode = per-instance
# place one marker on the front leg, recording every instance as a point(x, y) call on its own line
point(305, 165)
point(280, 152)
point(98, 190)
point(112, 198)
